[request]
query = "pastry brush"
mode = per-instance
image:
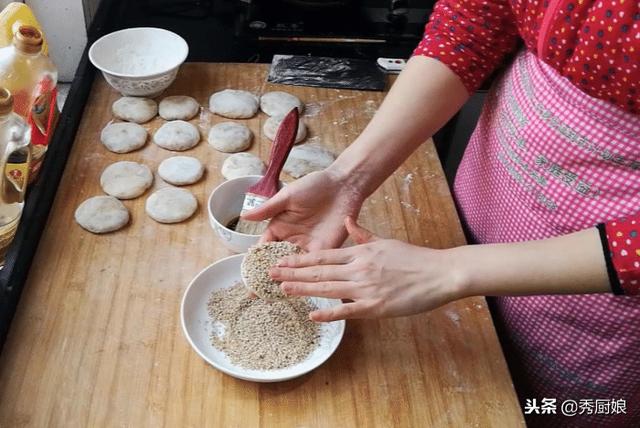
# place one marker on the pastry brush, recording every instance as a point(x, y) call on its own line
point(268, 185)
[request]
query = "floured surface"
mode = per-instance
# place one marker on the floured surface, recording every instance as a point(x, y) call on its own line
point(97, 340)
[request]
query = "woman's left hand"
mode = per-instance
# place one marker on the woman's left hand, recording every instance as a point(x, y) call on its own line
point(381, 277)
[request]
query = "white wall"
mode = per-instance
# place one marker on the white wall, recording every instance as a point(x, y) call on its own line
point(64, 24)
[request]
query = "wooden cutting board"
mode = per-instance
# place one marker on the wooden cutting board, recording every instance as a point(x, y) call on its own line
point(97, 341)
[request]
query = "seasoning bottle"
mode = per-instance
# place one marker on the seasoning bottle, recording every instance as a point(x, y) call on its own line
point(32, 78)
point(15, 158)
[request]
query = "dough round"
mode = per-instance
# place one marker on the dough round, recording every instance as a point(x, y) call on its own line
point(126, 180)
point(272, 124)
point(242, 164)
point(177, 135)
point(256, 264)
point(102, 214)
point(178, 107)
point(230, 137)
point(132, 109)
point(181, 170)
point(307, 158)
point(278, 103)
point(171, 205)
point(234, 104)
point(123, 137)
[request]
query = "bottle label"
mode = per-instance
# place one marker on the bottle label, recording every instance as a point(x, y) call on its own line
point(43, 109)
point(22, 103)
point(43, 118)
point(16, 175)
point(42, 106)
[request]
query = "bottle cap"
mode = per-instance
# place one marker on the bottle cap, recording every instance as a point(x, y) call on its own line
point(6, 102)
point(28, 39)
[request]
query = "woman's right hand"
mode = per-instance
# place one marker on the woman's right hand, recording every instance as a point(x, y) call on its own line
point(310, 211)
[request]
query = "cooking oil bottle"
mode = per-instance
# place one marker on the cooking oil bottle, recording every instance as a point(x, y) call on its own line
point(32, 78)
point(12, 17)
point(15, 158)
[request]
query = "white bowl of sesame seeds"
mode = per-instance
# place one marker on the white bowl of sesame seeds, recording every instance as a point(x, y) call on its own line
point(199, 327)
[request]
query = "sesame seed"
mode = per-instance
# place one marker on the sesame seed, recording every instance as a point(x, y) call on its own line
point(256, 264)
point(259, 334)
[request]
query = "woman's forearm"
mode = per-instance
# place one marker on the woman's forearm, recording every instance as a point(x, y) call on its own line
point(423, 98)
point(570, 264)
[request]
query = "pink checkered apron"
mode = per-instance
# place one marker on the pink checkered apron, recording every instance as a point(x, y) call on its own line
point(547, 160)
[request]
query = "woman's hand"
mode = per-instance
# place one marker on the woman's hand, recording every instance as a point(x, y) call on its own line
point(382, 277)
point(310, 211)
point(386, 278)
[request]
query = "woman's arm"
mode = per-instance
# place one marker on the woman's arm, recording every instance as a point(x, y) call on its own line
point(423, 98)
point(386, 278)
point(311, 210)
point(569, 264)
point(595, 260)
point(463, 42)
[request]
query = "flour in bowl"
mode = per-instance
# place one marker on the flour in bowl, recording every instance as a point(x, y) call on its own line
point(140, 60)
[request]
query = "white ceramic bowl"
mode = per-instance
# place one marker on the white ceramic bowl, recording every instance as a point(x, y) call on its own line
point(225, 204)
point(197, 326)
point(139, 62)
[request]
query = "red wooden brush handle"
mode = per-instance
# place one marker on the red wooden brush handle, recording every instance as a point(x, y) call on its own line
point(282, 144)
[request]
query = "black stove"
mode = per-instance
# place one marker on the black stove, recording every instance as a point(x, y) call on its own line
point(296, 21)
point(255, 30)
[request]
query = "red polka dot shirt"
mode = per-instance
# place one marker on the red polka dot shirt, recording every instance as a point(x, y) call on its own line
point(594, 44)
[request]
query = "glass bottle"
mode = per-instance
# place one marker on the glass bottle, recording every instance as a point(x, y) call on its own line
point(15, 159)
point(32, 78)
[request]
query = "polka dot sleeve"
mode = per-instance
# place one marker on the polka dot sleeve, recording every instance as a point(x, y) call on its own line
point(471, 37)
point(621, 243)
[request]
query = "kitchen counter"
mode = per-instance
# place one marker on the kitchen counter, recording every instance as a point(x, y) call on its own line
point(96, 339)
